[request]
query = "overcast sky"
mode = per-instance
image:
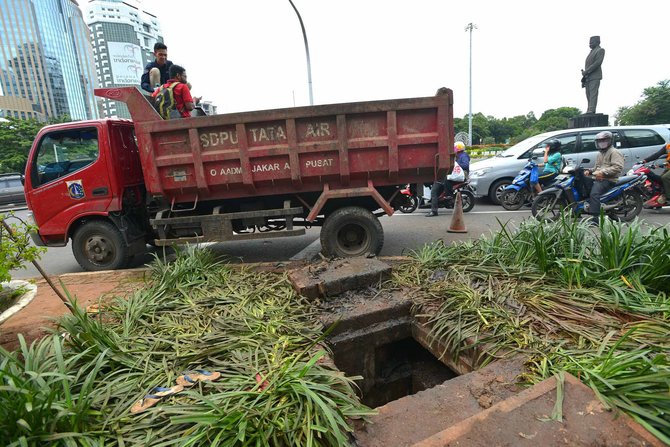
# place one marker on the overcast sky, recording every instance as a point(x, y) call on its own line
point(526, 55)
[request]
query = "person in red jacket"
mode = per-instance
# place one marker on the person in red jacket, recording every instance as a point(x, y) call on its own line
point(184, 102)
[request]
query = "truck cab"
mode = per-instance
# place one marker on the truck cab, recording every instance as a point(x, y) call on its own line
point(85, 176)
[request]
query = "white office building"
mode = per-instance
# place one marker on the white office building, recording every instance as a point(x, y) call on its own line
point(123, 35)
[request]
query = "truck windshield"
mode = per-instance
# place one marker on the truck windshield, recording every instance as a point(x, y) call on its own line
point(61, 153)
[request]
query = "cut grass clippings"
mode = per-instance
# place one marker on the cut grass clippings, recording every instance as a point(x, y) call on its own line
point(592, 303)
point(194, 314)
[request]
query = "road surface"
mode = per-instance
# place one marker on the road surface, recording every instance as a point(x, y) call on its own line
point(402, 234)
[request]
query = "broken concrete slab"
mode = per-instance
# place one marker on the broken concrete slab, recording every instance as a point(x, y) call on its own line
point(522, 420)
point(333, 278)
point(413, 418)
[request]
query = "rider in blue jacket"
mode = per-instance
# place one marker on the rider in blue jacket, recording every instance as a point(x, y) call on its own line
point(463, 160)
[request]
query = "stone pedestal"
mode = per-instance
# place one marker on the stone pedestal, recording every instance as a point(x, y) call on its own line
point(589, 120)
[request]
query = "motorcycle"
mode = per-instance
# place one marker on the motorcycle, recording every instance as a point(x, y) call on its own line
point(467, 196)
point(521, 190)
point(652, 187)
point(622, 202)
point(409, 202)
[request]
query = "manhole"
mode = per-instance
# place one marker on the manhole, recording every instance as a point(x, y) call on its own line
point(392, 370)
point(373, 338)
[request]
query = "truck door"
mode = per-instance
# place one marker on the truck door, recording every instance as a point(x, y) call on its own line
point(68, 177)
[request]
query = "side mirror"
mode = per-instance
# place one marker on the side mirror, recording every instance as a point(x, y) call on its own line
point(538, 152)
point(23, 180)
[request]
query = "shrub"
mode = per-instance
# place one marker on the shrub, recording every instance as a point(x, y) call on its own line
point(15, 248)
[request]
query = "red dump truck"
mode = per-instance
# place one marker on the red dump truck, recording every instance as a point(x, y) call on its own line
point(114, 186)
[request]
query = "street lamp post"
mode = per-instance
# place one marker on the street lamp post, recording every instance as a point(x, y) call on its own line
point(470, 27)
point(309, 65)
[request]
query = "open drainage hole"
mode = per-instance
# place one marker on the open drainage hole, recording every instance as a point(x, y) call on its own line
point(391, 371)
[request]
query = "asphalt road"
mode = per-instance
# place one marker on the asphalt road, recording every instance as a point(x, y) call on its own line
point(402, 233)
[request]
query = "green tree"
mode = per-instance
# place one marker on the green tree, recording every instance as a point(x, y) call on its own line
point(16, 137)
point(552, 119)
point(480, 127)
point(653, 108)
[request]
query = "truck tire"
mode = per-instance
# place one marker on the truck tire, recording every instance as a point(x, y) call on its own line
point(351, 231)
point(99, 245)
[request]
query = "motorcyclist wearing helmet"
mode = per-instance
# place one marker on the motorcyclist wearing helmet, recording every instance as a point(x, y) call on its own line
point(552, 164)
point(663, 178)
point(463, 160)
point(608, 168)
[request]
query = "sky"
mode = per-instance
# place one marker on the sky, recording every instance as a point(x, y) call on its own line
point(526, 55)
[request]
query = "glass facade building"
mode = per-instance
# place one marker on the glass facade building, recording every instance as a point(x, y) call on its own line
point(123, 35)
point(46, 60)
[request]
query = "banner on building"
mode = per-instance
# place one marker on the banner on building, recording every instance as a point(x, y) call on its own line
point(126, 62)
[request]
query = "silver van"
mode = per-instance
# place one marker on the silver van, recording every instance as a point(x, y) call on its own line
point(490, 176)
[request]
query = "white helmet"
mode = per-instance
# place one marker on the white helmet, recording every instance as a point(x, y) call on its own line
point(604, 140)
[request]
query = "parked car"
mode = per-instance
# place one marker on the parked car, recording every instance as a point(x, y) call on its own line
point(490, 177)
point(11, 189)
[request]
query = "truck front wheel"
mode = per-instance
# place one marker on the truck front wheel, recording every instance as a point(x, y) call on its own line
point(351, 231)
point(99, 245)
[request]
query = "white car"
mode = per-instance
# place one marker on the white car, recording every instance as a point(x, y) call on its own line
point(490, 176)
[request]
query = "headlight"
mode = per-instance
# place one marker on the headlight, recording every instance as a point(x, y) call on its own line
point(479, 172)
point(31, 219)
point(630, 172)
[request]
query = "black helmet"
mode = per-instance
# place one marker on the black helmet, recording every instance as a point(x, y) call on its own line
point(554, 145)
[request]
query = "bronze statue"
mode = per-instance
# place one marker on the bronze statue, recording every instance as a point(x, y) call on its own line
point(592, 73)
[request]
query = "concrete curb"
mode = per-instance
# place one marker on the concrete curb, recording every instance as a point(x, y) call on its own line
point(27, 297)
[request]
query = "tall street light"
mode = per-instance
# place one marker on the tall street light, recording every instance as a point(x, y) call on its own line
point(309, 65)
point(470, 27)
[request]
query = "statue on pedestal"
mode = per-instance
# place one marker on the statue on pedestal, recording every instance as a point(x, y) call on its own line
point(592, 73)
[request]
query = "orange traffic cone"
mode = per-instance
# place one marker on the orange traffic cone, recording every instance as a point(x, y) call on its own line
point(457, 225)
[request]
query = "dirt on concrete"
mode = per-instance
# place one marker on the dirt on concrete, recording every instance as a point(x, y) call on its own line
point(87, 288)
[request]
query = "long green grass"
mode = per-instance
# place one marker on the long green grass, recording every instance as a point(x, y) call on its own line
point(195, 313)
point(593, 302)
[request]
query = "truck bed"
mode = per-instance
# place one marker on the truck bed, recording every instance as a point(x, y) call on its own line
point(293, 150)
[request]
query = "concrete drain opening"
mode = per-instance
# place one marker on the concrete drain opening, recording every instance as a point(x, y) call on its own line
point(373, 338)
point(395, 370)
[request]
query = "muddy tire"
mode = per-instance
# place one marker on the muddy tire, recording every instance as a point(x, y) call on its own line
point(351, 231)
point(99, 245)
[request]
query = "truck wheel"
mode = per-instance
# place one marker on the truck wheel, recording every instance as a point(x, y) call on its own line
point(351, 231)
point(99, 245)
